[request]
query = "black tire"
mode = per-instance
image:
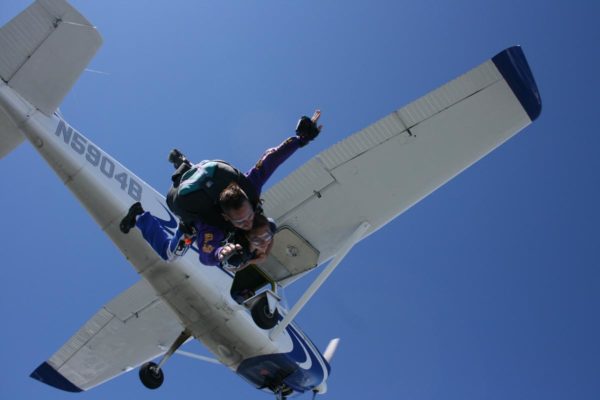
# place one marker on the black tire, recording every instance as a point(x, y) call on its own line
point(151, 376)
point(261, 315)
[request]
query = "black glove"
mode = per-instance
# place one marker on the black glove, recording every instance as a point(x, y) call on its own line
point(306, 130)
point(177, 158)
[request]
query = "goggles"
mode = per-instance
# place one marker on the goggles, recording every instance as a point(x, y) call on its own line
point(261, 239)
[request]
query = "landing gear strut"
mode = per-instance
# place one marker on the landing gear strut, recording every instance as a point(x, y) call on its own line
point(151, 373)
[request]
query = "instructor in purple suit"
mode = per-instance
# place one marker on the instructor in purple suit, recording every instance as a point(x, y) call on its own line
point(214, 200)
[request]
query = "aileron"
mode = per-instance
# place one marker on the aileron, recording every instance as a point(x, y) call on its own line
point(384, 169)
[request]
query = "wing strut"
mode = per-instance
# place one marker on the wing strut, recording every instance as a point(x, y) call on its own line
point(197, 357)
point(342, 252)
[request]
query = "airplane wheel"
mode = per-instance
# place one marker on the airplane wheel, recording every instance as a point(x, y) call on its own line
point(262, 316)
point(151, 376)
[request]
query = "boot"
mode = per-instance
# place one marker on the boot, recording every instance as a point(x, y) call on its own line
point(129, 221)
point(177, 158)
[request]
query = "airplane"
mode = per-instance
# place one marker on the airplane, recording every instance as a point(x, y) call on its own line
point(377, 173)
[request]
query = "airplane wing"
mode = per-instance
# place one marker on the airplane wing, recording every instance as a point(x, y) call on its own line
point(133, 328)
point(384, 169)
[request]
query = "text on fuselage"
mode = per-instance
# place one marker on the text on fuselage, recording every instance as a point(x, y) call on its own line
point(98, 159)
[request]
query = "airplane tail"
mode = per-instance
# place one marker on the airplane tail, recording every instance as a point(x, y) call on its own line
point(43, 50)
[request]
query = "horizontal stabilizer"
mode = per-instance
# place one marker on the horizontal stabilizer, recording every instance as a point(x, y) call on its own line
point(44, 49)
point(10, 136)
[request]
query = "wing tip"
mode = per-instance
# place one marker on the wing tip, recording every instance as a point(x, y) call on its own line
point(45, 373)
point(513, 66)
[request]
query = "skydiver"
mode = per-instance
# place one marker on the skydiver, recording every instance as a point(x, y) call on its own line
point(249, 247)
point(213, 200)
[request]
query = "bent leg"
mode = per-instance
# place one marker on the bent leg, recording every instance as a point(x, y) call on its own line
point(154, 234)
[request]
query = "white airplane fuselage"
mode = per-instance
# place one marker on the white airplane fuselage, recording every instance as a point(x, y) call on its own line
point(198, 294)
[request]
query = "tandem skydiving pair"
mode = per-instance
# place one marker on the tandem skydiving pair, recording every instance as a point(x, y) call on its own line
point(219, 207)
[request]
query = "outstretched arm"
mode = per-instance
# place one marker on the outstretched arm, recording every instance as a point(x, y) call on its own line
point(270, 161)
point(274, 157)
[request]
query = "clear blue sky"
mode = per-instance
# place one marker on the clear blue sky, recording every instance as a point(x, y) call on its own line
point(487, 289)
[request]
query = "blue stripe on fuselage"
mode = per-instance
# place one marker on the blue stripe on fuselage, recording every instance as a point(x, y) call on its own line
point(301, 369)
